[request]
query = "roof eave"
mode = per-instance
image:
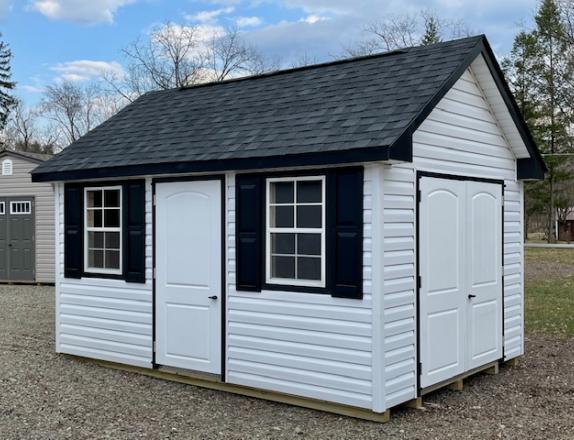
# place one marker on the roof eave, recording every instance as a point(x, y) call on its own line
point(342, 157)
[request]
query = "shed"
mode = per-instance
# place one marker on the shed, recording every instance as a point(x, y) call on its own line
point(26, 220)
point(346, 235)
point(566, 227)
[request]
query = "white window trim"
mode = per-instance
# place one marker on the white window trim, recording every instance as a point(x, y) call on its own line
point(87, 229)
point(27, 203)
point(2, 208)
point(269, 230)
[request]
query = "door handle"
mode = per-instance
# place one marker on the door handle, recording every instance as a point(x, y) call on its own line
point(470, 296)
point(213, 297)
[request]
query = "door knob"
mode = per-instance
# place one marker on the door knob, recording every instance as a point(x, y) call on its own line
point(212, 297)
point(470, 296)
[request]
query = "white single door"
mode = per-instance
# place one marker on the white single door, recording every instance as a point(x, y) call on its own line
point(443, 300)
point(188, 275)
point(460, 303)
point(484, 332)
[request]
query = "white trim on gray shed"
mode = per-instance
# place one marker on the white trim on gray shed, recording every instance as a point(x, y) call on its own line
point(16, 185)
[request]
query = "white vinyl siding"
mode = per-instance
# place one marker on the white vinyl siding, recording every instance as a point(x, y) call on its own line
point(102, 318)
point(310, 345)
point(461, 136)
point(20, 184)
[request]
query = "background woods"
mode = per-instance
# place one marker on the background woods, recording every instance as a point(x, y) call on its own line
point(539, 68)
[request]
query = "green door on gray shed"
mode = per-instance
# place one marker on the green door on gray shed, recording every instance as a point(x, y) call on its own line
point(17, 249)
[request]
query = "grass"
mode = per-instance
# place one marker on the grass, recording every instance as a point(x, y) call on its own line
point(550, 291)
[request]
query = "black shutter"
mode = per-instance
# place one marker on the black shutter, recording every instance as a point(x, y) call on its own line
point(134, 231)
point(73, 230)
point(345, 201)
point(248, 198)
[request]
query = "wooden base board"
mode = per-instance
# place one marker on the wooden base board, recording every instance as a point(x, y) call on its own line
point(512, 362)
point(457, 383)
point(415, 403)
point(25, 283)
point(190, 379)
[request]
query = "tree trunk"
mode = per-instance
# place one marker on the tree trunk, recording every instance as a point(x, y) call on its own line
point(552, 211)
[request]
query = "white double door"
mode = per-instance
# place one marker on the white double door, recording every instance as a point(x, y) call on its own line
point(188, 275)
point(460, 267)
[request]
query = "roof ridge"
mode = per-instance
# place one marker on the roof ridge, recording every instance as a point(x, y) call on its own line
point(278, 72)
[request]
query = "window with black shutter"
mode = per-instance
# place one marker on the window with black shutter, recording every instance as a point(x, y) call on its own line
point(105, 230)
point(301, 232)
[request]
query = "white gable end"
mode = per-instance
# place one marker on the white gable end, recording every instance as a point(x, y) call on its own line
point(462, 135)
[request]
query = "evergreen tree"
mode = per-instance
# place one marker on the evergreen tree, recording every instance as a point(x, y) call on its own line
point(518, 69)
point(540, 72)
point(552, 71)
point(432, 31)
point(7, 101)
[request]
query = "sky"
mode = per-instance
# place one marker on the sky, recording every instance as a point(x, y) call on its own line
point(78, 40)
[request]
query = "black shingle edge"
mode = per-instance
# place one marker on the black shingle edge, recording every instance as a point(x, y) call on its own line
point(353, 155)
point(532, 168)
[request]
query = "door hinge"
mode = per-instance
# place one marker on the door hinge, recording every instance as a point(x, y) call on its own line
point(420, 367)
point(154, 273)
point(419, 196)
point(154, 199)
point(419, 281)
point(154, 346)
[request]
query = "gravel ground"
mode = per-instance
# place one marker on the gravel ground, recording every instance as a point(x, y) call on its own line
point(49, 396)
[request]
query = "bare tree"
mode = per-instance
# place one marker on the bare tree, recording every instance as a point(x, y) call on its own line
point(26, 131)
point(401, 31)
point(22, 127)
point(304, 59)
point(169, 57)
point(174, 56)
point(229, 55)
point(74, 109)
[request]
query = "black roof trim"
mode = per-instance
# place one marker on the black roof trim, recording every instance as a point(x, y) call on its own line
point(343, 157)
point(530, 168)
point(537, 168)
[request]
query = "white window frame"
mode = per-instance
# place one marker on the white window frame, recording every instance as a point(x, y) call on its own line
point(7, 164)
point(27, 203)
point(294, 230)
point(87, 229)
point(2, 208)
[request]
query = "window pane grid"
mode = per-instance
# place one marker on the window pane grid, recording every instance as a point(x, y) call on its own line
point(304, 265)
point(103, 229)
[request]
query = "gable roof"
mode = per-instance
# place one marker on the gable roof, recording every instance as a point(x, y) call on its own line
point(354, 110)
point(33, 157)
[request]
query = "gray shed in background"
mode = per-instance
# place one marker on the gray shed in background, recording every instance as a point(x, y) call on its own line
point(26, 220)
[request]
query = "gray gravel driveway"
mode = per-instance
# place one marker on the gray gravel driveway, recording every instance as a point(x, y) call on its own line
point(49, 396)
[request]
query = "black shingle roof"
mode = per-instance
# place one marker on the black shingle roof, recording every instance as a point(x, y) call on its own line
point(343, 111)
